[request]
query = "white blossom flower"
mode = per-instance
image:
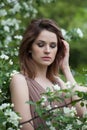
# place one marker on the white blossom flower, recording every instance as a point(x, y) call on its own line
point(11, 22)
point(25, 5)
point(79, 122)
point(10, 62)
point(4, 123)
point(18, 37)
point(16, 8)
point(9, 1)
point(2, 5)
point(48, 123)
point(7, 74)
point(7, 40)
point(44, 98)
point(4, 105)
point(12, 1)
point(70, 111)
point(68, 127)
point(63, 32)
point(3, 12)
point(85, 114)
point(79, 32)
point(10, 128)
point(68, 84)
point(42, 104)
point(12, 105)
point(48, 107)
point(6, 28)
point(12, 117)
point(67, 37)
point(52, 128)
point(4, 56)
point(4, 82)
point(13, 73)
point(26, 15)
point(56, 87)
point(16, 53)
point(84, 127)
point(0, 90)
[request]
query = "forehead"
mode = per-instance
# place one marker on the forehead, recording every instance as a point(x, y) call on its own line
point(46, 35)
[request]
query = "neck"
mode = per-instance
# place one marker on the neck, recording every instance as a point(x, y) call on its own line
point(41, 72)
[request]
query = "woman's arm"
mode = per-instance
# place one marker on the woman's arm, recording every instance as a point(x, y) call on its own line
point(65, 65)
point(66, 68)
point(19, 96)
point(69, 77)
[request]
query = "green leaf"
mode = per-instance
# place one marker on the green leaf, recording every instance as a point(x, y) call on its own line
point(80, 94)
point(82, 104)
point(2, 117)
point(31, 102)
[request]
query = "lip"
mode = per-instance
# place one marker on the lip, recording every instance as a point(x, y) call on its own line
point(46, 58)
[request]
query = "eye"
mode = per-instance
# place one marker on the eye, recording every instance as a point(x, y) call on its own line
point(40, 44)
point(53, 45)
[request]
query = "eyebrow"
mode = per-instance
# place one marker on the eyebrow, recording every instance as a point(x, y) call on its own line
point(45, 42)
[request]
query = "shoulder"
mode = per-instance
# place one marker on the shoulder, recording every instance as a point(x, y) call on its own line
point(19, 92)
point(18, 80)
point(18, 77)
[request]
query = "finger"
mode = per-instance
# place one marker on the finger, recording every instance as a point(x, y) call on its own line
point(66, 44)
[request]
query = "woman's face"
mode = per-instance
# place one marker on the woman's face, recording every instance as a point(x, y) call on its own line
point(44, 48)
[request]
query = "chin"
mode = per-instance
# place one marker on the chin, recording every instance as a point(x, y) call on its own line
point(44, 63)
point(47, 64)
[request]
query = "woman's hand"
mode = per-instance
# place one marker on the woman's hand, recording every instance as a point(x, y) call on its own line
point(65, 61)
point(64, 65)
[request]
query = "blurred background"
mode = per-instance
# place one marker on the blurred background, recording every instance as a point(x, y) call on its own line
point(15, 15)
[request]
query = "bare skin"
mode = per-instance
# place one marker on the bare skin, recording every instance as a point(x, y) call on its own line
point(18, 86)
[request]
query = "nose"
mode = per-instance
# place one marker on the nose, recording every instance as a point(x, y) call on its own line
point(47, 49)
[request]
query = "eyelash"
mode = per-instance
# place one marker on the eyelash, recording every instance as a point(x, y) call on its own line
point(52, 45)
point(40, 44)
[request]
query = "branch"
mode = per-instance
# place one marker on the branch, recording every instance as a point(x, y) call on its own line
point(28, 121)
point(77, 100)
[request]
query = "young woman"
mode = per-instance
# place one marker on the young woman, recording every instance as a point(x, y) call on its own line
point(42, 53)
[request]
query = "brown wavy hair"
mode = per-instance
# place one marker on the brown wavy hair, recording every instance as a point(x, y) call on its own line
point(27, 64)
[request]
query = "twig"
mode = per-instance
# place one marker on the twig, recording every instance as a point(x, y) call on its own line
point(28, 121)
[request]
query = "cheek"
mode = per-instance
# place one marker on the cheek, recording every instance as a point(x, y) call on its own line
point(54, 55)
point(54, 52)
point(34, 51)
point(35, 54)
